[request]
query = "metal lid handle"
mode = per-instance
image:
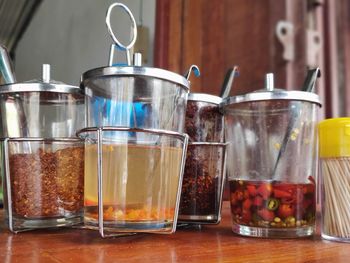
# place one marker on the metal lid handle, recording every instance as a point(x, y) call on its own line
point(269, 82)
point(115, 39)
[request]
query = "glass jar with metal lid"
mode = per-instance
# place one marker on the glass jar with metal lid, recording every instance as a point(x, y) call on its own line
point(42, 159)
point(130, 95)
point(271, 163)
point(134, 143)
point(203, 181)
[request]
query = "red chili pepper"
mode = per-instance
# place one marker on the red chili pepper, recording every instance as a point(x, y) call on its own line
point(245, 194)
point(312, 180)
point(265, 190)
point(90, 202)
point(247, 204)
point(246, 216)
point(233, 199)
point(266, 214)
point(287, 200)
point(285, 187)
point(281, 194)
point(258, 201)
point(286, 210)
point(309, 189)
point(251, 190)
point(239, 195)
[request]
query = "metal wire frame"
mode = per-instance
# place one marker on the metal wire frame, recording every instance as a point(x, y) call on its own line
point(7, 170)
point(99, 131)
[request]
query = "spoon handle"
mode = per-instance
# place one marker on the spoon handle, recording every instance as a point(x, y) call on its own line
point(228, 81)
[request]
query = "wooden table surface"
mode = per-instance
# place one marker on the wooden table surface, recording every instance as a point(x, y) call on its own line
point(211, 244)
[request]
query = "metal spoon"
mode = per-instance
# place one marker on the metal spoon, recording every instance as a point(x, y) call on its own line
point(228, 81)
point(6, 66)
point(308, 86)
point(195, 70)
point(310, 80)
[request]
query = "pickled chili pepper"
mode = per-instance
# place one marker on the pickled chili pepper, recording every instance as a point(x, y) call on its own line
point(265, 190)
point(272, 204)
point(239, 195)
point(286, 210)
point(266, 214)
point(246, 216)
point(281, 194)
point(258, 201)
point(247, 204)
point(251, 190)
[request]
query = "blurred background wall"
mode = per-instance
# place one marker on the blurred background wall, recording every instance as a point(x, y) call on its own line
point(71, 35)
point(285, 37)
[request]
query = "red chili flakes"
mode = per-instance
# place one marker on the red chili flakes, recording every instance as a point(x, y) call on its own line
point(47, 184)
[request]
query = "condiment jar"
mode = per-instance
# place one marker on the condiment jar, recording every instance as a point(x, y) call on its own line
point(204, 120)
point(134, 144)
point(204, 174)
point(334, 149)
point(42, 159)
point(271, 162)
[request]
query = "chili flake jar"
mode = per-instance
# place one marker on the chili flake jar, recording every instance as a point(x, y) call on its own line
point(42, 159)
point(203, 181)
point(271, 162)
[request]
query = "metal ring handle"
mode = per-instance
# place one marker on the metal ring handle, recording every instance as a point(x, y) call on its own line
point(133, 26)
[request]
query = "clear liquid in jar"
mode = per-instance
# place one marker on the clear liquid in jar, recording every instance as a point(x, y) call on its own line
point(140, 183)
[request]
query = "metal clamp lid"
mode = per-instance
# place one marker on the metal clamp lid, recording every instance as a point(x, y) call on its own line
point(45, 84)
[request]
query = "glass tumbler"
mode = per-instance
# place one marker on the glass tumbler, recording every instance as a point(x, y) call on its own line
point(132, 179)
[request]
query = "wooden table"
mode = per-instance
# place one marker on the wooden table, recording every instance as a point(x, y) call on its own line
point(211, 244)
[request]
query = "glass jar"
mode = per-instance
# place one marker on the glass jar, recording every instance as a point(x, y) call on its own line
point(137, 97)
point(203, 181)
point(134, 143)
point(42, 159)
point(132, 179)
point(204, 122)
point(334, 147)
point(271, 163)
point(204, 173)
point(131, 104)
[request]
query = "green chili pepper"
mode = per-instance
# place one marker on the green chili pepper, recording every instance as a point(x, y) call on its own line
point(272, 204)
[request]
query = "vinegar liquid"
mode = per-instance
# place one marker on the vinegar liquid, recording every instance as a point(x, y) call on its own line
point(140, 183)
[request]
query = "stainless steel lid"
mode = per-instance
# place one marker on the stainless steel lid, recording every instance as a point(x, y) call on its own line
point(273, 95)
point(134, 71)
point(42, 85)
point(204, 98)
point(269, 93)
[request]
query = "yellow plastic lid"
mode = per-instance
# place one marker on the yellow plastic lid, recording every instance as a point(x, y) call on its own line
point(334, 137)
